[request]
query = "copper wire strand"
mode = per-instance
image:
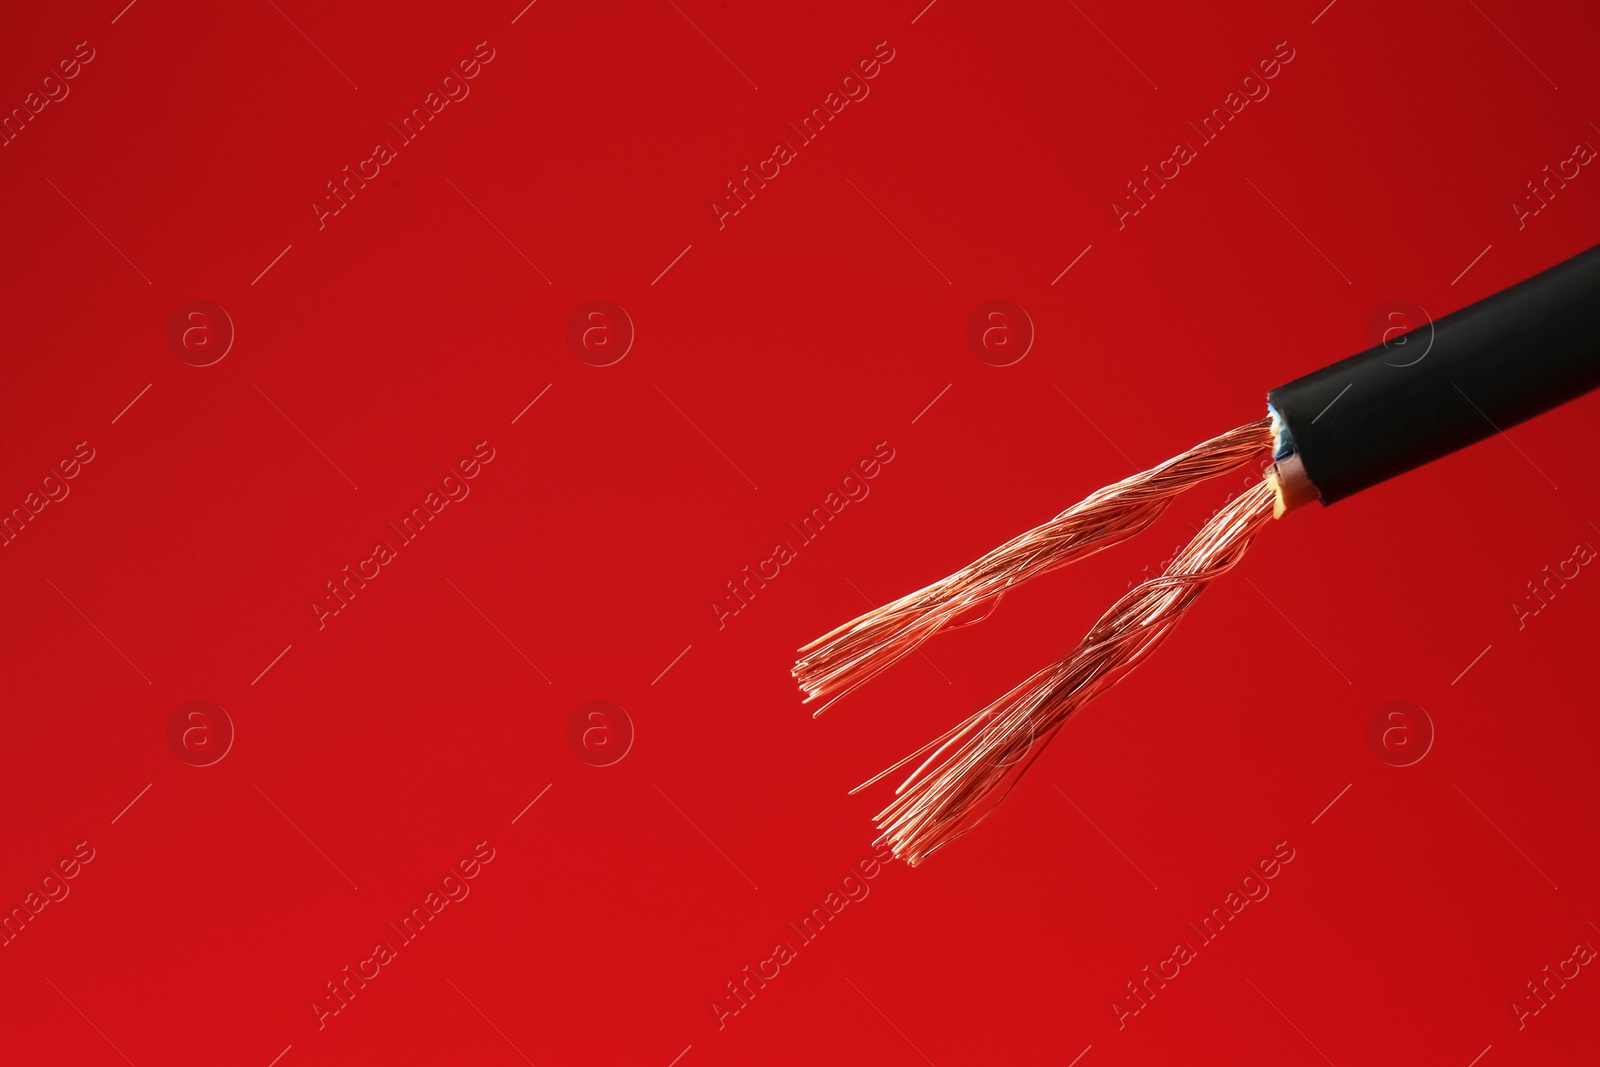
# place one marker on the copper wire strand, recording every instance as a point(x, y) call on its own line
point(973, 766)
point(855, 652)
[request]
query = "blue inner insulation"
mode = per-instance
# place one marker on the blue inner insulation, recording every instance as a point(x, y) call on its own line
point(1283, 444)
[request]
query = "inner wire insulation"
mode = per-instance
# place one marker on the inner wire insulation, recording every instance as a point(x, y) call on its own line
point(972, 767)
point(850, 655)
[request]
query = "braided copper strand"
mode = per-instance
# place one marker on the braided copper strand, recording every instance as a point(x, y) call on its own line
point(850, 655)
point(940, 801)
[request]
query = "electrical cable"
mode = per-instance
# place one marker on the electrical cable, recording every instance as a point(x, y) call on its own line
point(1332, 433)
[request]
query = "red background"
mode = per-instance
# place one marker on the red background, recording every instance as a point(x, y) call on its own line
point(792, 341)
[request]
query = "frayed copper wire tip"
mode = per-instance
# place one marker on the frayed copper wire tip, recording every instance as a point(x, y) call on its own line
point(966, 772)
point(976, 764)
point(852, 654)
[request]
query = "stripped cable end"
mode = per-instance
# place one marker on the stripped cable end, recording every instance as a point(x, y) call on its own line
point(1523, 351)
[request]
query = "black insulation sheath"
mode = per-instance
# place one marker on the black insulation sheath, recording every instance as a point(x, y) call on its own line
point(1485, 368)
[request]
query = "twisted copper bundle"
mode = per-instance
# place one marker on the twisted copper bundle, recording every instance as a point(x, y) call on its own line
point(948, 794)
point(852, 654)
